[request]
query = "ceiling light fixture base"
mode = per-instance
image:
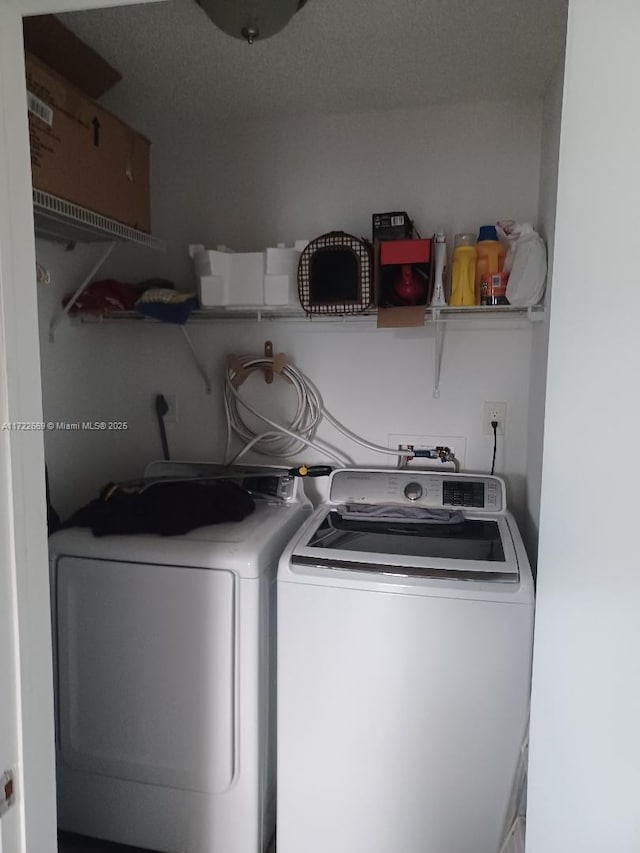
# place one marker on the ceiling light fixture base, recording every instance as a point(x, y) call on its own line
point(251, 19)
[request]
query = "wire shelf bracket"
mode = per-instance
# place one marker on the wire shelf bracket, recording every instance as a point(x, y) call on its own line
point(60, 221)
point(437, 354)
point(197, 360)
point(59, 317)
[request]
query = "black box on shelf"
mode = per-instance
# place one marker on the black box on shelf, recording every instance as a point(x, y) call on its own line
point(391, 226)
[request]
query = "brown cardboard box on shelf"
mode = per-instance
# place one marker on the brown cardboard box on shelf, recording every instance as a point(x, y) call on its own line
point(389, 258)
point(84, 154)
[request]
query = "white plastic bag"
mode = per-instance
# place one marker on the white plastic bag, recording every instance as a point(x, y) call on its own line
point(526, 263)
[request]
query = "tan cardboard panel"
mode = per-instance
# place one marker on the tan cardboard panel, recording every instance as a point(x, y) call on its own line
point(402, 317)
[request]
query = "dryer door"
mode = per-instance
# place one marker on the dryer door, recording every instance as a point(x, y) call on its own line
point(145, 672)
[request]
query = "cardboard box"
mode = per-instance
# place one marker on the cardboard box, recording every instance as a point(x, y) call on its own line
point(389, 258)
point(83, 153)
point(391, 226)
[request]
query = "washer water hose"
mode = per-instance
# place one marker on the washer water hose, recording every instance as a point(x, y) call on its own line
point(280, 440)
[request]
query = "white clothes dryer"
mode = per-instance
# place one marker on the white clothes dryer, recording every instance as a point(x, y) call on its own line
point(404, 666)
point(165, 676)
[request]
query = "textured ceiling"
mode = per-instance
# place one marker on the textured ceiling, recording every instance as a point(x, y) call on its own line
point(334, 56)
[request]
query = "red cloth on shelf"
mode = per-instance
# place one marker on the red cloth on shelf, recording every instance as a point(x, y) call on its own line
point(106, 295)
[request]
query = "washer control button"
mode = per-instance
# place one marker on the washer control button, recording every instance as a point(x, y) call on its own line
point(413, 491)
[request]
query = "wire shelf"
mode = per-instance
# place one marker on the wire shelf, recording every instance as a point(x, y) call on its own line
point(261, 313)
point(64, 222)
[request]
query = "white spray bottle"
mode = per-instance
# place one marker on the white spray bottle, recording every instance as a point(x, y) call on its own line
point(440, 258)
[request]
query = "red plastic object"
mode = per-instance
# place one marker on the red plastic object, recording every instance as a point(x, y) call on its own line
point(408, 288)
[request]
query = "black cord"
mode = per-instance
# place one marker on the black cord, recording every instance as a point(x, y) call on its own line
point(162, 407)
point(494, 424)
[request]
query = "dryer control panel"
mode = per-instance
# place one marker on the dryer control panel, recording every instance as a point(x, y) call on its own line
point(419, 488)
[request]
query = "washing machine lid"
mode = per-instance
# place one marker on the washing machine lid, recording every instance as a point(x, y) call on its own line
point(466, 545)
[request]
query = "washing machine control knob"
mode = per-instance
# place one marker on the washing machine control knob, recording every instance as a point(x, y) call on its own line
point(413, 491)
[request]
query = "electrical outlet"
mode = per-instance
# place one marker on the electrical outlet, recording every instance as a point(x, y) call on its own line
point(495, 412)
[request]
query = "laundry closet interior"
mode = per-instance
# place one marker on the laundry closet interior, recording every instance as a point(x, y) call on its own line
point(449, 111)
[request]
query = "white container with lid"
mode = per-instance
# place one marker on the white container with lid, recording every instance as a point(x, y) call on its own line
point(281, 274)
point(227, 278)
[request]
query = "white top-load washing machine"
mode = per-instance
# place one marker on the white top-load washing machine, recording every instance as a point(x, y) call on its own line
point(404, 664)
point(165, 676)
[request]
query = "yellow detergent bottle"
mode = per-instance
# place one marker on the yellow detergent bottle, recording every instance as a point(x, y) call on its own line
point(463, 271)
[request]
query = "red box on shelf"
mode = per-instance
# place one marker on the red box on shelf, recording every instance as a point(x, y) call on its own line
point(405, 252)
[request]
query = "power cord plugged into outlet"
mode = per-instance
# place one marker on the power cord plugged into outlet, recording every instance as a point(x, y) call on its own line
point(494, 427)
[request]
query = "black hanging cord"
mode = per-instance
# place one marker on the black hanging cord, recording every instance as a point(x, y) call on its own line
point(494, 424)
point(162, 407)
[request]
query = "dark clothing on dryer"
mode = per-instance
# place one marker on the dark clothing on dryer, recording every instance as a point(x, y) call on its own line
point(164, 508)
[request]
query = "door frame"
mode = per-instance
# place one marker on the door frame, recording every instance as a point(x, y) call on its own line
point(23, 556)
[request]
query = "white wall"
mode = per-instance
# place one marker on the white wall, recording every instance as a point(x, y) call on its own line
point(585, 737)
point(551, 119)
point(258, 183)
point(255, 183)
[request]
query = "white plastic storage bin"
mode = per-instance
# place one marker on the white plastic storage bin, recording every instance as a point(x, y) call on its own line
point(213, 272)
point(281, 274)
point(280, 290)
point(281, 261)
point(228, 278)
point(247, 279)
